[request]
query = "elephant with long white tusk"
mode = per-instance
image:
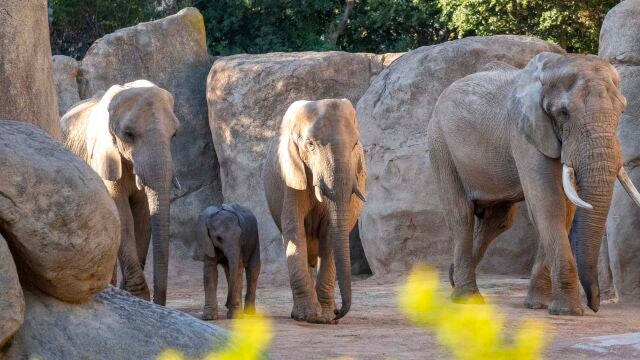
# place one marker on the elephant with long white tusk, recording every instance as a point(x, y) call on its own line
point(545, 134)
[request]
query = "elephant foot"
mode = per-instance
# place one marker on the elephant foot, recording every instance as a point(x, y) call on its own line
point(536, 301)
point(558, 307)
point(209, 313)
point(309, 310)
point(137, 290)
point(234, 312)
point(466, 296)
point(250, 309)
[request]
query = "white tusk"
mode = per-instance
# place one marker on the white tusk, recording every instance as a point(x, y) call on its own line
point(570, 190)
point(358, 193)
point(626, 182)
point(318, 193)
point(176, 183)
point(139, 183)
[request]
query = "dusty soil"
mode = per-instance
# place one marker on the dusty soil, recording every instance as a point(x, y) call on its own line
point(375, 329)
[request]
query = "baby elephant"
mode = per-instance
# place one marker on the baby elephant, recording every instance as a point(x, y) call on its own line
point(229, 235)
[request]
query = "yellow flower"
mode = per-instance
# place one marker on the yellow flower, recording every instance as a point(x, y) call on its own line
point(466, 331)
point(250, 337)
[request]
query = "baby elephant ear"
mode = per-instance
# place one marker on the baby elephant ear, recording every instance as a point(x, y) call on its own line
point(526, 105)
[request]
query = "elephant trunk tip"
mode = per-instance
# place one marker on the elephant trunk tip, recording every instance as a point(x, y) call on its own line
point(593, 298)
point(344, 309)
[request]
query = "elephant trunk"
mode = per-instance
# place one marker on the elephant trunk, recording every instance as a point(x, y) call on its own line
point(157, 178)
point(596, 159)
point(339, 216)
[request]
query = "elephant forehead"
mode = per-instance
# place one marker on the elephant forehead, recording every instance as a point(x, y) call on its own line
point(224, 221)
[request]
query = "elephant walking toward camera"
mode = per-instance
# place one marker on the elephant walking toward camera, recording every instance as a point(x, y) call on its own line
point(125, 135)
point(229, 237)
point(545, 134)
point(314, 178)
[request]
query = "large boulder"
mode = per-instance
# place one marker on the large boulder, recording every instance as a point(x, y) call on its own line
point(172, 53)
point(26, 77)
point(114, 325)
point(620, 44)
point(59, 221)
point(11, 297)
point(403, 221)
point(65, 77)
point(620, 34)
point(248, 95)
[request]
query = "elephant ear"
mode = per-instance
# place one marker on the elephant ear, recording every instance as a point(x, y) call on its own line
point(525, 104)
point(103, 154)
point(361, 169)
point(203, 231)
point(291, 165)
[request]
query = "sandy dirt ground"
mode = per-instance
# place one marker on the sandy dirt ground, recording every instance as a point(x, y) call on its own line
point(375, 329)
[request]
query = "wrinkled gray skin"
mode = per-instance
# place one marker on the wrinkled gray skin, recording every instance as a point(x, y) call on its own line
point(229, 237)
point(125, 135)
point(500, 137)
point(314, 177)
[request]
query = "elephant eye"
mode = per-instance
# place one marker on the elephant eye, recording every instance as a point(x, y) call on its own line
point(564, 111)
point(309, 145)
point(127, 136)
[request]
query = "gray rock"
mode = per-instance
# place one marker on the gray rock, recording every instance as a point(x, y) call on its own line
point(620, 44)
point(403, 222)
point(59, 221)
point(65, 77)
point(620, 34)
point(11, 297)
point(114, 325)
point(248, 95)
point(171, 53)
point(26, 76)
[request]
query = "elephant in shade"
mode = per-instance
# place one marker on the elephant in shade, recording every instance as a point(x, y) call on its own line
point(229, 237)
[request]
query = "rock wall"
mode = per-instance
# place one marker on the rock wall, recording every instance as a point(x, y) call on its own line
point(620, 44)
point(26, 77)
point(247, 97)
point(403, 222)
point(171, 53)
point(65, 78)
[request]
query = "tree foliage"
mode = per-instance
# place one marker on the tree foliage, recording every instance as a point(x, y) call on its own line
point(259, 26)
point(572, 24)
point(76, 24)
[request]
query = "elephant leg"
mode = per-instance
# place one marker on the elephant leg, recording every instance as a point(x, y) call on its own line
point(459, 219)
point(539, 293)
point(494, 221)
point(133, 279)
point(326, 282)
point(210, 310)
point(227, 276)
point(252, 272)
point(142, 225)
point(305, 301)
point(542, 188)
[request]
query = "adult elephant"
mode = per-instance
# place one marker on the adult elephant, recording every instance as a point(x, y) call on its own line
point(125, 135)
point(503, 136)
point(314, 178)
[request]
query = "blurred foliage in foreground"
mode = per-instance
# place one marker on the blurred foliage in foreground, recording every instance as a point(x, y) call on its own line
point(468, 332)
point(259, 26)
point(249, 340)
